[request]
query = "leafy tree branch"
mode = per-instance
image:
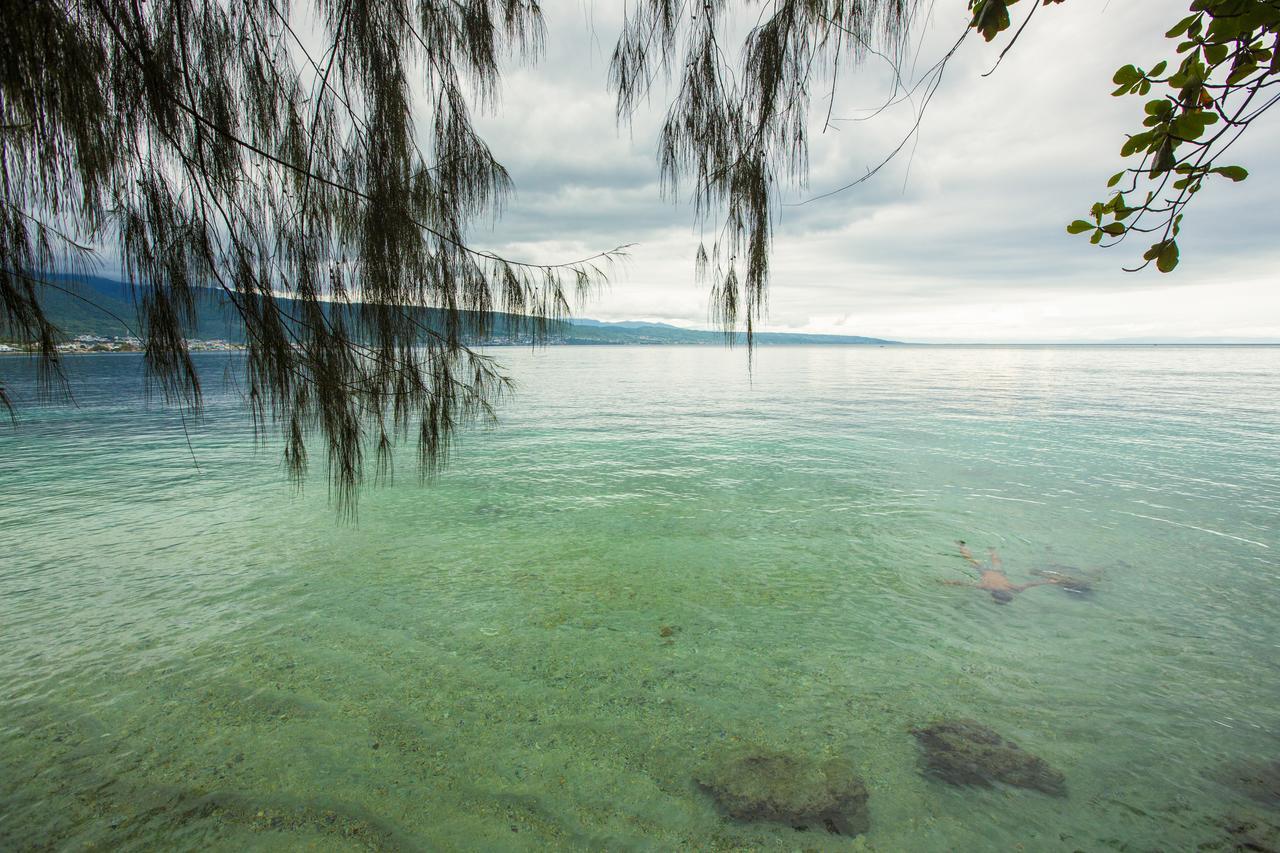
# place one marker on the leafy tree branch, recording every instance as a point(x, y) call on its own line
point(1221, 85)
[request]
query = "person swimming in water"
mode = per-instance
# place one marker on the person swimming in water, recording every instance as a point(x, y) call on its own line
point(992, 578)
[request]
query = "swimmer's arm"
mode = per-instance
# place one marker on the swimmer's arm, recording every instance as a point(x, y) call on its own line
point(1021, 587)
point(968, 555)
point(956, 583)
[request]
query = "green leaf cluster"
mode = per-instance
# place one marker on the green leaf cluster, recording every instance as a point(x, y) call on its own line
point(991, 17)
point(1227, 52)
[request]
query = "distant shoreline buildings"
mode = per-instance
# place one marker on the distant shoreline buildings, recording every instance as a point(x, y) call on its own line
point(127, 343)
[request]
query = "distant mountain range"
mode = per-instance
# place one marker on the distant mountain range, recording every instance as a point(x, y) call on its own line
point(91, 305)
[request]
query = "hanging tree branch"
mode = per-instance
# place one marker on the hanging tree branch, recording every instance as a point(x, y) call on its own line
point(327, 199)
point(735, 131)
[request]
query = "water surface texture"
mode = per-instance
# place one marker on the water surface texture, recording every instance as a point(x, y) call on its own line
point(657, 559)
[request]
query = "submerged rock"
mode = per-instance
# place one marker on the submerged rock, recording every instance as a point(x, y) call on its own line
point(965, 752)
point(764, 785)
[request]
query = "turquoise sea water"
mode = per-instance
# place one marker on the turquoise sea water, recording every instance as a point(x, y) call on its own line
point(208, 659)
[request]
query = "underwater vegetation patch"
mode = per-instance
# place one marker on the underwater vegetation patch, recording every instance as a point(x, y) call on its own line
point(163, 810)
point(756, 784)
point(1257, 779)
point(965, 752)
point(1246, 832)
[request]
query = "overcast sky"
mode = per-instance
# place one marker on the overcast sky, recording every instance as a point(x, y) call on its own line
point(963, 240)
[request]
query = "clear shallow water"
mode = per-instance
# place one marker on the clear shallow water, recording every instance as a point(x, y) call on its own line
point(209, 659)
